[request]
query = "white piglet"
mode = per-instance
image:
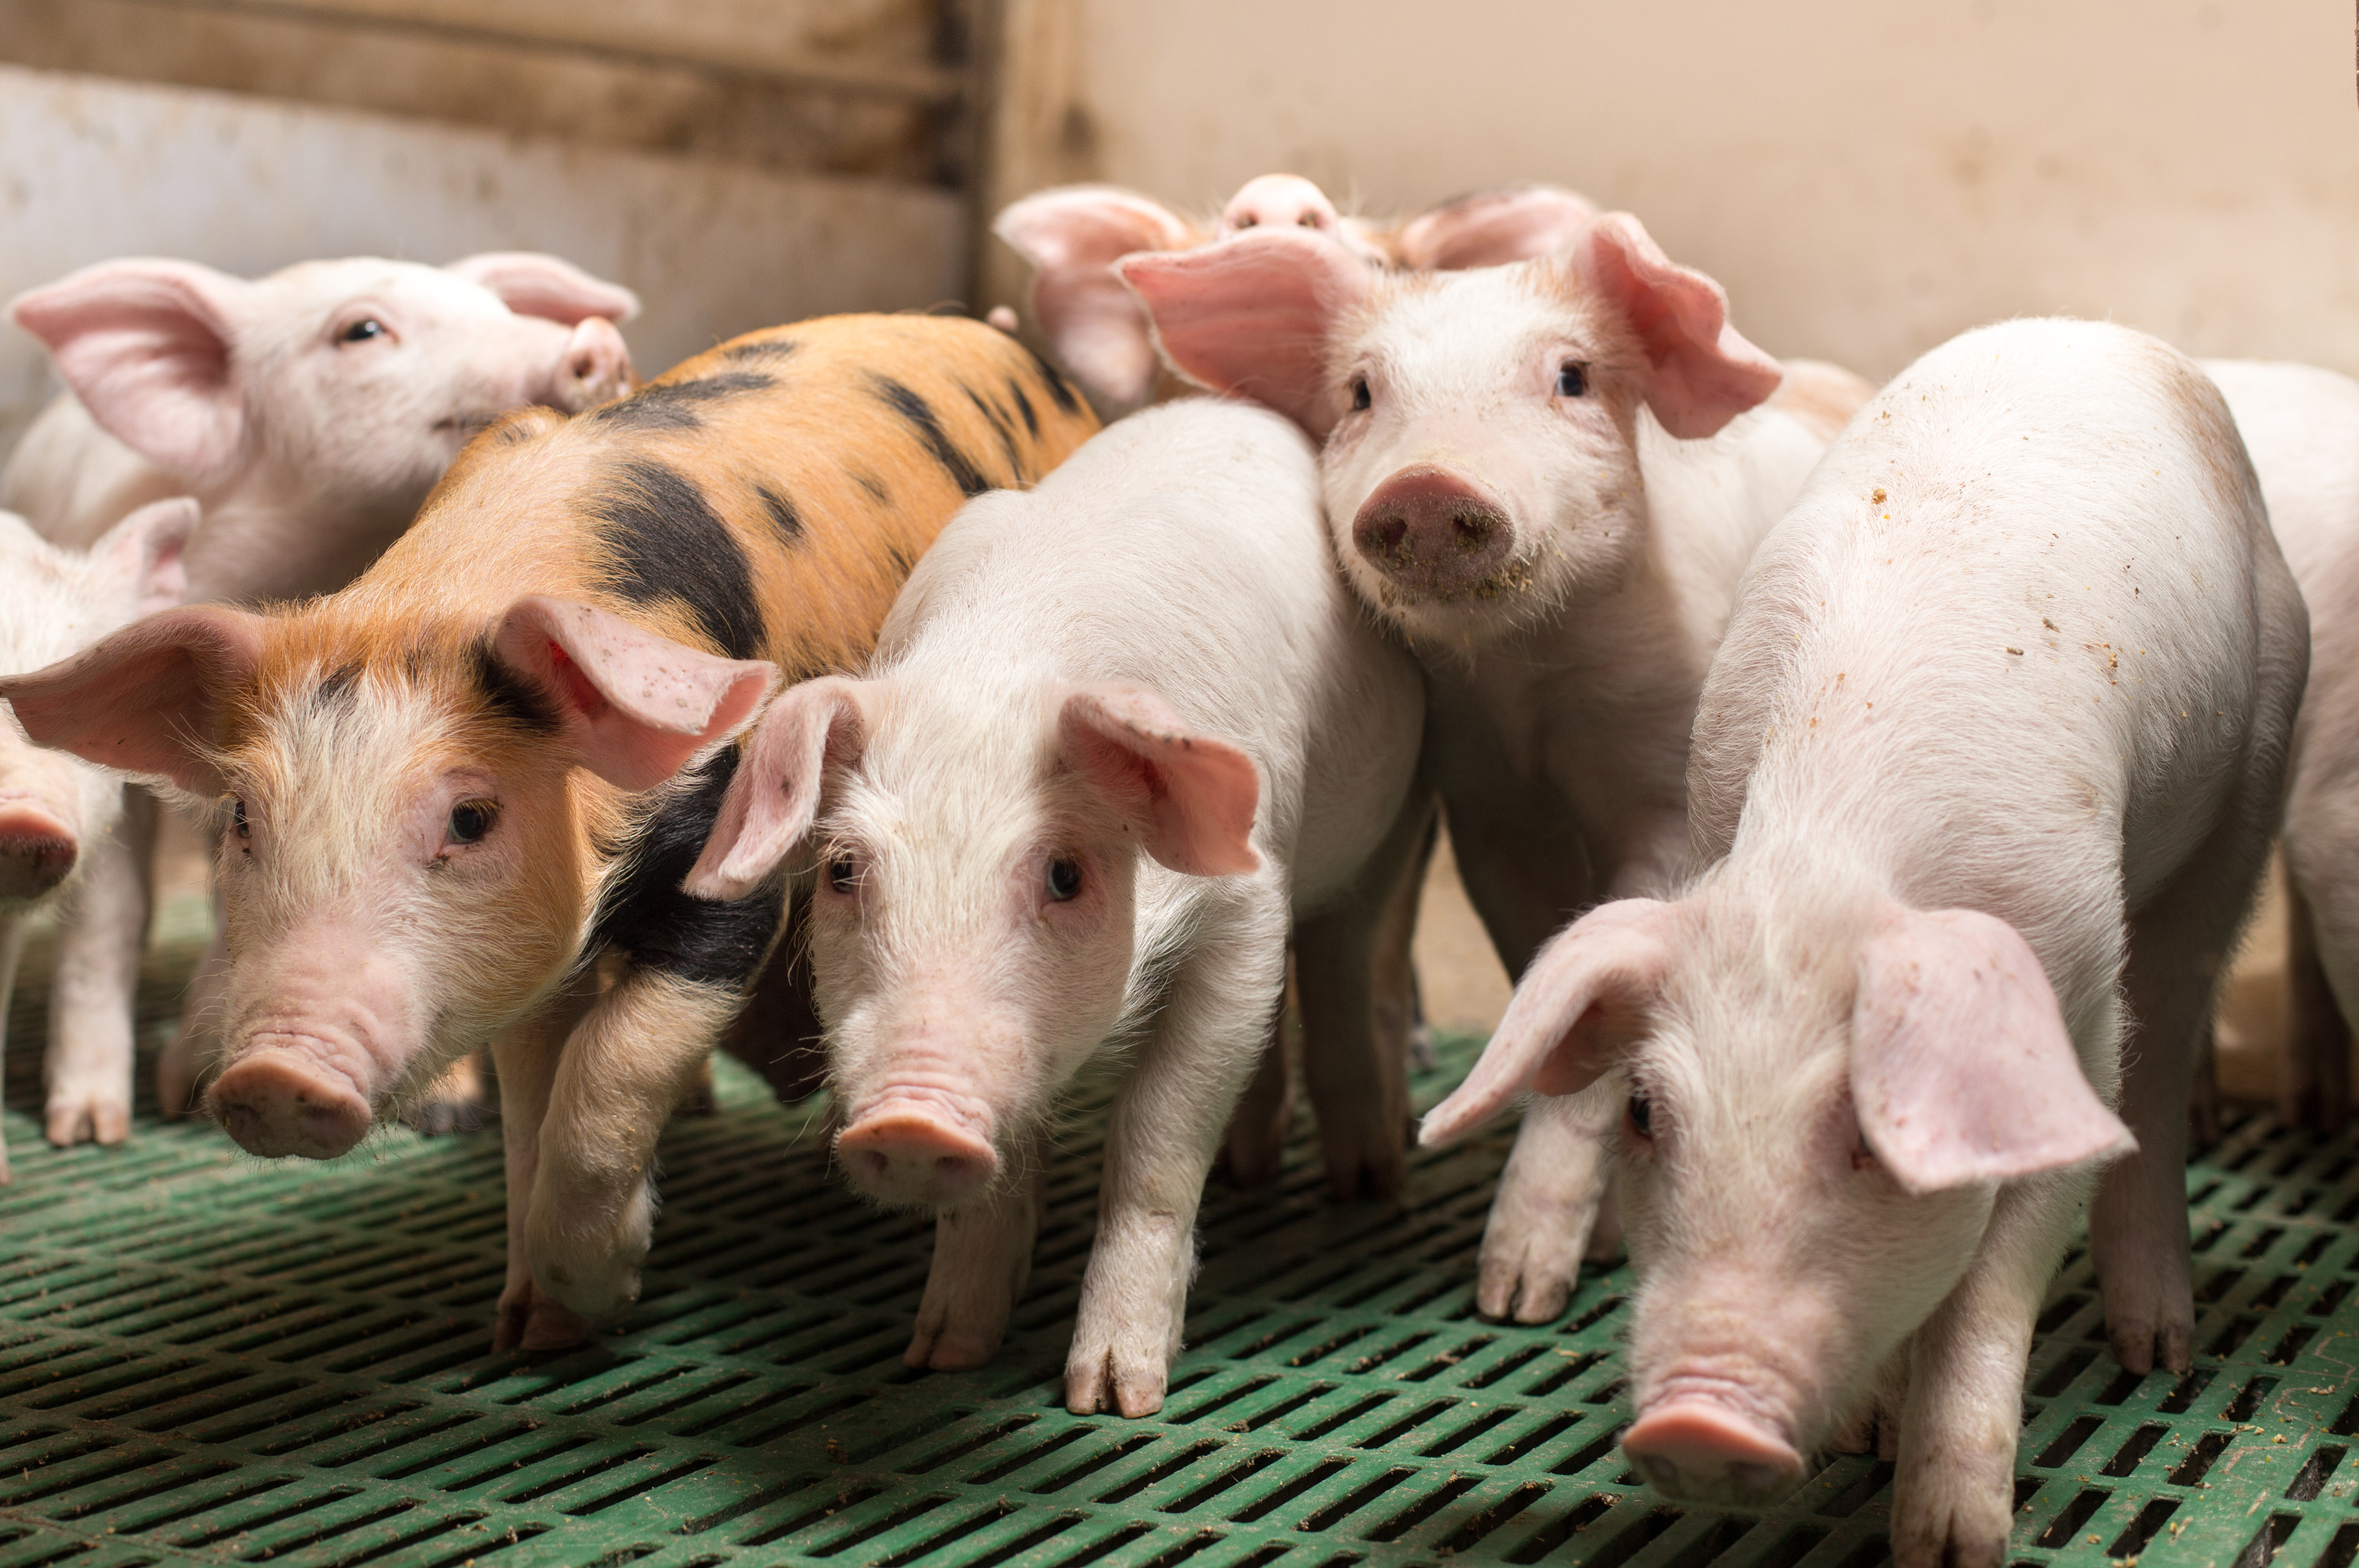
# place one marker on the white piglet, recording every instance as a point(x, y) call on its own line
point(1984, 774)
point(1120, 732)
point(60, 843)
point(1547, 476)
point(309, 411)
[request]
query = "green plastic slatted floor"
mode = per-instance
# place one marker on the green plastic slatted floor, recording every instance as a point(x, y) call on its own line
point(205, 1358)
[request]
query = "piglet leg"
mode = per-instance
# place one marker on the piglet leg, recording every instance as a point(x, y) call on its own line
point(2138, 1223)
point(527, 1056)
point(983, 1255)
point(1548, 1204)
point(1354, 1047)
point(12, 949)
point(88, 1068)
point(625, 1066)
point(1954, 1494)
point(1165, 1124)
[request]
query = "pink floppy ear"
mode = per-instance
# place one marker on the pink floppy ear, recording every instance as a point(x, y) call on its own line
point(1253, 315)
point(531, 284)
point(1579, 1005)
point(1699, 374)
point(1193, 796)
point(148, 346)
point(812, 727)
point(1494, 228)
point(1072, 237)
point(145, 554)
point(637, 705)
point(1961, 1067)
point(147, 699)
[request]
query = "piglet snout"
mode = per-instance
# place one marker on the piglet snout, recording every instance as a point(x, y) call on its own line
point(36, 852)
point(1436, 535)
point(594, 368)
point(1702, 1450)
point(917, 1151)
point(277, 1103)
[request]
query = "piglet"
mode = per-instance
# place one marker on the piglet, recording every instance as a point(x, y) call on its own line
point(1986, 769)
point(62, 842)
point(1066, 818)
point(1547, 476)
point(1072, 237)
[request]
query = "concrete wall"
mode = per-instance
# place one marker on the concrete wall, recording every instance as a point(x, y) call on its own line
point(92, 168)
point(1866, 177)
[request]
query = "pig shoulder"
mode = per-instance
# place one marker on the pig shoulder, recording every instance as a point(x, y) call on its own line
point(1208, 578)
point(2037, 556)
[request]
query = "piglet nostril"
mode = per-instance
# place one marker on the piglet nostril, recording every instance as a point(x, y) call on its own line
point(1474, 530)
point(1435, 533)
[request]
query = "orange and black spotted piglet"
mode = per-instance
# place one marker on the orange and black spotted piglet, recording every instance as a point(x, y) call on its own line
point(455, 787)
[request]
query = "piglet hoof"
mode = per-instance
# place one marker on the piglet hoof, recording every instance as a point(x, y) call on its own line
point(949, 1347)
point(2141, 1345)
point(1525, 1279)
point(86, 1119)
point(1106, 1380)
point(530, 1321)
point(1947, 1513)
point(1374, 1170)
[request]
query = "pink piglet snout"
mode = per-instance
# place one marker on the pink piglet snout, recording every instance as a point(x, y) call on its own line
point(36, 852)
point(277, 1102)
point(1435, 533)
point(1701, 1449)
point(911, 1149)
point(594, 368)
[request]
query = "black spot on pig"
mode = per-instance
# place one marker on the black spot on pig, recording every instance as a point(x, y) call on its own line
point(1060, 390)
point(782, 515)
point(1004, 430)
point(665, 543)
point(643, 914)
point(875, 487)
point(921, 418)
point(1024, 405)
point(761, 348)
point(508, 694)
point(335, 688)
point(673, 404)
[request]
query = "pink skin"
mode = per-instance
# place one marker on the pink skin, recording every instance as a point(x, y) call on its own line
point(1693, 1447)
point(1435, 533)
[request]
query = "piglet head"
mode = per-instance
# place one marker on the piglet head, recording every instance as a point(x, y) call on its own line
point(1480, 428)
point(975, 859)
point(338, 389)
point(1814, 1128)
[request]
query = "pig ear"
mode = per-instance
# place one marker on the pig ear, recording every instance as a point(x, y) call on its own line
point(147, 347)
point(147, 699)
point(531, 284)
point(1960, 1066)
point(637, 705)
point(1073, 238)
point(1494, 228)
point(1193, 796)
point(812, 727)
point(1577, 1007)
point(1253, 315)
point(145, 554)
point(1698, 373)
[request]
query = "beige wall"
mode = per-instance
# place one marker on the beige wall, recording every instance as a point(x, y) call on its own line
point(1866, 176)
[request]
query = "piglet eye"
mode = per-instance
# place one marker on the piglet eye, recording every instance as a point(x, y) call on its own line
point(1572, 381)
point(238, 822)
point(470, 820)
point(1064, 880)
point(841, 874)
point(362, 330)
point(1642, 1116)
point(1359, 398)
